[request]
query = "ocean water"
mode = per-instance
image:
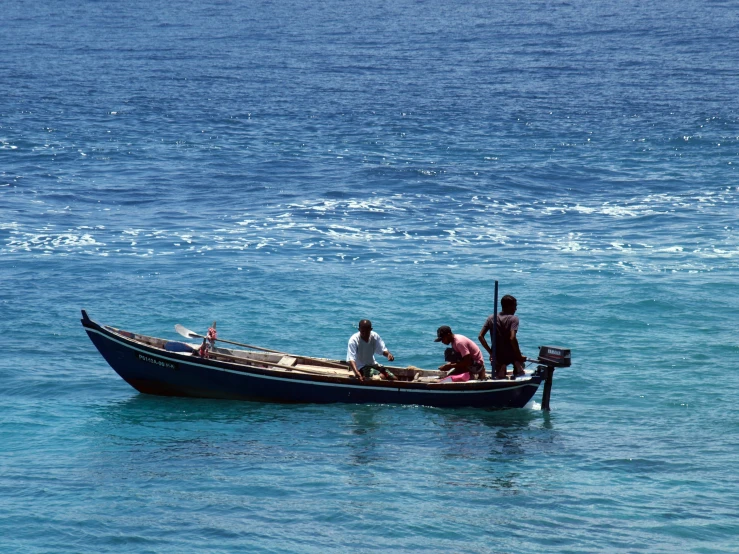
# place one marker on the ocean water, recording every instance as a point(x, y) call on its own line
point(288, 168)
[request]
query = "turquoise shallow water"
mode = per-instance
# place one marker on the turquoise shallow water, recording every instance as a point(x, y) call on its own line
point(289, 169)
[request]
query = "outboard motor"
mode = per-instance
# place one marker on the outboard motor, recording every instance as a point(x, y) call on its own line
point(555, 356)
point(551, 357)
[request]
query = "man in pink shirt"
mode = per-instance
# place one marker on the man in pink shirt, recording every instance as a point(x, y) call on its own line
point(468, 359)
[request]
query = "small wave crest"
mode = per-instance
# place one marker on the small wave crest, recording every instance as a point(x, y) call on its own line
point(636, 233)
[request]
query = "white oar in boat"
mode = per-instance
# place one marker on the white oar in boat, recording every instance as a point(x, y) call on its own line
point(185, 332)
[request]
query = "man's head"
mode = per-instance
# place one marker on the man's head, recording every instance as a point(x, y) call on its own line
point(444, 334)
point(509, 304)
point(365, 328)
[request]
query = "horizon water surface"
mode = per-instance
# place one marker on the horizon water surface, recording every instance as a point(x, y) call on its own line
point(290, 168)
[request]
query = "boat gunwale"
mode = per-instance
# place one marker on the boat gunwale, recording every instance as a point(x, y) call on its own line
point(115, 334)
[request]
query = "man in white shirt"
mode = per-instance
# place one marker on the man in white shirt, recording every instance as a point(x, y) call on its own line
point(362, 349)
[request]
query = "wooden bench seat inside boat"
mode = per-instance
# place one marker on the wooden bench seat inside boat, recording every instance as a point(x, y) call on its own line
point(287, 361)
point(323, 370)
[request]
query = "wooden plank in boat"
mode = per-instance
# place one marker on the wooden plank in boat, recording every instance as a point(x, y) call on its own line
point(321, 369)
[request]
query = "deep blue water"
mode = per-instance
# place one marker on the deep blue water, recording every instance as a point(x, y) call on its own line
point(290, 168)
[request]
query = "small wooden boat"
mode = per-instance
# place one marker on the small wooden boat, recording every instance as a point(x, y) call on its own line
point(170, 368)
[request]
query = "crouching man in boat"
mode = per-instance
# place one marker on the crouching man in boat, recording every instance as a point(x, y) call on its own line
point(468, 355)
point(507, 350)
point(361, 352)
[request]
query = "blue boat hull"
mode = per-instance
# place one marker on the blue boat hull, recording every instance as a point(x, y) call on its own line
point(155, 371)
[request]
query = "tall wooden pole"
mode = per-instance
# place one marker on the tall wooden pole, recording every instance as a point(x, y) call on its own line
point(494, 330)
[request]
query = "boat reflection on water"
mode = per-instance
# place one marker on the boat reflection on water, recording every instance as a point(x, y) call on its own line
point(363, 447)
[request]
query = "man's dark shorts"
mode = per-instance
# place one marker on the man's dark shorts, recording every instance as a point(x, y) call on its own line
point(366, 370)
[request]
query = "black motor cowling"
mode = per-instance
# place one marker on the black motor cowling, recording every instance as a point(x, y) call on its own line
point(555, 356)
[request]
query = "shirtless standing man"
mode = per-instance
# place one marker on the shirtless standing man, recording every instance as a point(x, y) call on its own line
point(507, 350)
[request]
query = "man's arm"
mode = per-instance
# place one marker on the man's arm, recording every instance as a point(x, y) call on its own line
point(462, 365)
point(353, 367)
point(483, 341)
point(351, 356)
point(516, 348)
point(380, 348)
point(465, 363)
